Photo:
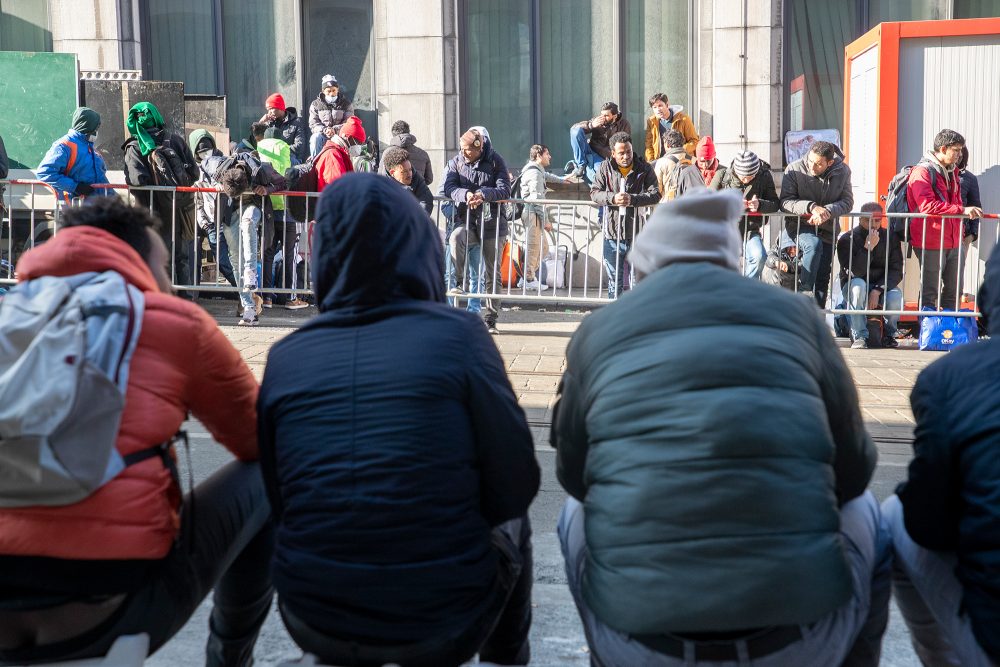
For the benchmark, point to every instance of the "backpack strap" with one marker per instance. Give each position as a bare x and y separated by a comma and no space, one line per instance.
71,162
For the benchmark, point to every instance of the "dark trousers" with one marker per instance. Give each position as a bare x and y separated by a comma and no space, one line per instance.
500,635
940,270
226,544
283,235
823,271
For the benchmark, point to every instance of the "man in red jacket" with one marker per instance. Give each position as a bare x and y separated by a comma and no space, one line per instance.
934,188
335,159
134,556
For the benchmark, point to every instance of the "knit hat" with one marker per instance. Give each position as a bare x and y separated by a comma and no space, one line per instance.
275,101
85,120
699,226
329,80
352,128
705,149
746,164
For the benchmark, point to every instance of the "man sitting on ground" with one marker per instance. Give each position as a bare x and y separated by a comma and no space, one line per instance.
756,547
413,548
945,518
132,557
871,266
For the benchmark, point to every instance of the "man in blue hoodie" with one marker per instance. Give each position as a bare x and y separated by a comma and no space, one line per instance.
72,165
399,473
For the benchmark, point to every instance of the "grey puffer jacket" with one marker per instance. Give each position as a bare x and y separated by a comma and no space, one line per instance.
419,158
800,191
323,115
707,509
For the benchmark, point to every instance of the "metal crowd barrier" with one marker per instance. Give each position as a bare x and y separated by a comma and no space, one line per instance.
573,257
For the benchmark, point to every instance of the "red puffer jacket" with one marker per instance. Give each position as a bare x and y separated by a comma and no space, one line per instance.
922,197
182,362
332,163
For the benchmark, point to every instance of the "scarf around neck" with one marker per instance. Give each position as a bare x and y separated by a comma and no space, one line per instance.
143,117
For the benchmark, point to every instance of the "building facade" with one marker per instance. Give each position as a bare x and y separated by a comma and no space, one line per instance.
746,71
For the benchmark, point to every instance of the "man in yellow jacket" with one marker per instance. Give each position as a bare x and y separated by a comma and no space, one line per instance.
666,117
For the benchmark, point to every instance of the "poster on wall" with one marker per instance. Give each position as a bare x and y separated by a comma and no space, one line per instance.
798,142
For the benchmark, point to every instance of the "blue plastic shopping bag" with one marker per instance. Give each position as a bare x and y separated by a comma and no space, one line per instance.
942,333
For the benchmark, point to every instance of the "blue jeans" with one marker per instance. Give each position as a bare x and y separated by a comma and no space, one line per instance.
850,634
316,143
858,300
475,282
754,255
241,236
929,596
220,251
614,266
811,253
583,154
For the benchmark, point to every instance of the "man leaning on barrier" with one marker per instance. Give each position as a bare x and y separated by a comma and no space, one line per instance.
871,269
934,187
945,518
72,166
727,402
133,557
624,183
817,189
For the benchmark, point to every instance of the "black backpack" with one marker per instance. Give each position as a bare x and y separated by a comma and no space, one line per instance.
896,202
168,168
513,210
303,178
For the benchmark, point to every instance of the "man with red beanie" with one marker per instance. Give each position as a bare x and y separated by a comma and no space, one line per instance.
335,159
286,120
708,163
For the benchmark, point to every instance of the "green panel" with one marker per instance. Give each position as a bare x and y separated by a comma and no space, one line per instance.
38,94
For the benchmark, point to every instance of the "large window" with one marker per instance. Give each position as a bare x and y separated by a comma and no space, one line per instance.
976,9
183,44
24,26
532,68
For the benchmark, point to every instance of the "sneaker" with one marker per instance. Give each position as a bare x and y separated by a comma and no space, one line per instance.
859,344
889,341
249,318
570,168
296,304
258,304
456,291
267,303
492,328
532,285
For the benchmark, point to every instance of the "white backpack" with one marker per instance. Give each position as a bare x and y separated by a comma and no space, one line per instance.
65,348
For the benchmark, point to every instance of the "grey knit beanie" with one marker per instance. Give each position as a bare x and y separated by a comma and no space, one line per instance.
699,226
746,164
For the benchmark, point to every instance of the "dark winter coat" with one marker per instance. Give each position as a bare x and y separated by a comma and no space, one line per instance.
417,187
970,197
292,133
773,275
139,172
599,137
640,183
800,191
323,115
388,457
703,516
487,175
870,266
950,500
261,173
419,158
762,186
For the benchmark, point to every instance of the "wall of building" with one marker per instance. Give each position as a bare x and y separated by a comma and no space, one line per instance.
416,74
92,30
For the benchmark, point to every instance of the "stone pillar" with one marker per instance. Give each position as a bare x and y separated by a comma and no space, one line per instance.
96,32
742,107
416,74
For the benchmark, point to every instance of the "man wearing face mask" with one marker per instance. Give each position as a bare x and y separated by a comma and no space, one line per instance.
327,113
286,120
72,166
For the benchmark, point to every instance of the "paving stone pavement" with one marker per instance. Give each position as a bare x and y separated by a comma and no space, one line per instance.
533,345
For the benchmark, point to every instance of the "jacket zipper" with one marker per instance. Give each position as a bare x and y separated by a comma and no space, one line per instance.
128,333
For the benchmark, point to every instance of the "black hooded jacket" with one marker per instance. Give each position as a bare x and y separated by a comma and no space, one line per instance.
388,457
417,187
293,133
950,498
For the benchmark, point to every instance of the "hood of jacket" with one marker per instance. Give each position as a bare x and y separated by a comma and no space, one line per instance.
802,166
197,136
374,246
406,140
81,249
